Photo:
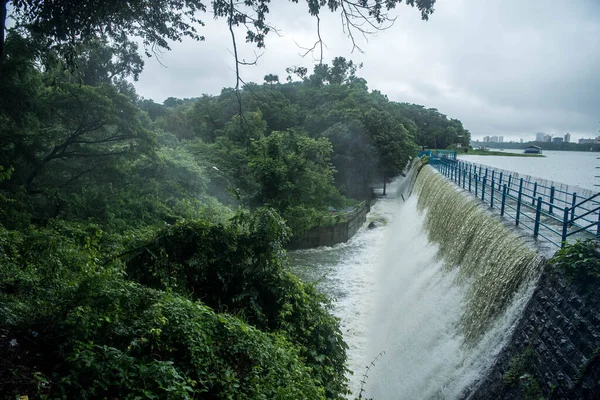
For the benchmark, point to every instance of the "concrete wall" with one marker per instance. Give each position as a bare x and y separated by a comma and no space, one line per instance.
330,235
554,352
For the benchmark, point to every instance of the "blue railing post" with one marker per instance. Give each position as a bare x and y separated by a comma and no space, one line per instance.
538,212
534,193
470,172
563,240
486,172
508,187
573,202
519,202
476,179
464,177
503,200
492,194
551,206
598,227
483,188
500,183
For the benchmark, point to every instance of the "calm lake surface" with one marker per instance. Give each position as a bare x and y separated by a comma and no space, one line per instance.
574,168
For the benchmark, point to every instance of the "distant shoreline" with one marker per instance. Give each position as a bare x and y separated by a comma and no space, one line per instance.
499,153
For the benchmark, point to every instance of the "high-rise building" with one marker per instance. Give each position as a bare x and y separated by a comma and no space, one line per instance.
557,139
540,136
547,138
567,137
494,139
500,139
486,139
521,140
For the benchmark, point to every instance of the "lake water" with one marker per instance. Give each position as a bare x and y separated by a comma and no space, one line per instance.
574,168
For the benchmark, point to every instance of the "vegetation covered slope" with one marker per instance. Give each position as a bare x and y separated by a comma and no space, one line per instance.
141,244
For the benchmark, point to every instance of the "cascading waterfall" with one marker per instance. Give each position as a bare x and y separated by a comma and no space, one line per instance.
450,284
485,251
436,287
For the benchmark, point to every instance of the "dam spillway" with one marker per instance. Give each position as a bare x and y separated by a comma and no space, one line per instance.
435,290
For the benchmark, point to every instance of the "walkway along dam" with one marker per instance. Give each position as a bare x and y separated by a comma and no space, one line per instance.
446,301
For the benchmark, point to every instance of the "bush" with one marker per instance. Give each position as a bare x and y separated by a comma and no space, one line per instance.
580,262
237,268
86,332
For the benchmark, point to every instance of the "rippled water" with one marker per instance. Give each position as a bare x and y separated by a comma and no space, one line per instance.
577,168
394,294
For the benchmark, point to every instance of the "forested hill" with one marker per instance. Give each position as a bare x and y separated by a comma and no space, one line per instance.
141,244
280,152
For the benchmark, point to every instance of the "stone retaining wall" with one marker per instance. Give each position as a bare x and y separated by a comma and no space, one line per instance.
330,235
554,350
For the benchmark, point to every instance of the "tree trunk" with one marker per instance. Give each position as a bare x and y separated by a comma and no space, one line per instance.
3,12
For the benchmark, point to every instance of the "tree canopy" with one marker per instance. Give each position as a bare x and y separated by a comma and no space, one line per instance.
64,24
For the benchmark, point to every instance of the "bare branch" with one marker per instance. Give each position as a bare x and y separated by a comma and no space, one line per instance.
319,43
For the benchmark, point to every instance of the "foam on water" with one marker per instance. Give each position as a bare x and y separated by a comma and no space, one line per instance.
400,290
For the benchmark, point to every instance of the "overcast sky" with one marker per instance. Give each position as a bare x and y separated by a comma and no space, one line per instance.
503,67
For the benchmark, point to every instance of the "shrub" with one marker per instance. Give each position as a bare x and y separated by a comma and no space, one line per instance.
237,268
86,332
580,262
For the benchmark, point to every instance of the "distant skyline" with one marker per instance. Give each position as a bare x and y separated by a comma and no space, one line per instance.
503,67
532,137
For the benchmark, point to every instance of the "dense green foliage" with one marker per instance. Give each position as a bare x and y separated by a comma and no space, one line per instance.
238,269
580,262
142,244
91,333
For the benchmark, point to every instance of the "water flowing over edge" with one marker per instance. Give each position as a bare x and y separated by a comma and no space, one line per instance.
427,300
484,251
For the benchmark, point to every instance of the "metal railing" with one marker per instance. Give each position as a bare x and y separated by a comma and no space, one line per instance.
549,212
445,154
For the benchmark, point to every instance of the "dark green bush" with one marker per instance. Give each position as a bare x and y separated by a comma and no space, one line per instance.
580,262
126,341
93,334
238,269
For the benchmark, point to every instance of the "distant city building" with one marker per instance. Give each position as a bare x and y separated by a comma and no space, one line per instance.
540,137
547,138
486,139
557,140
494,139
587,141
521,140
567,137
500,139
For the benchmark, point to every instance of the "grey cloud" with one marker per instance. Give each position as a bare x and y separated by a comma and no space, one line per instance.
504,67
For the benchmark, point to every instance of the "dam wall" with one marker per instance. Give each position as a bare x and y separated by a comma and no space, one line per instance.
553,346
334,234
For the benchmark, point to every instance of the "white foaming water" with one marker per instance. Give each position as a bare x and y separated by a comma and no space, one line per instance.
395,295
